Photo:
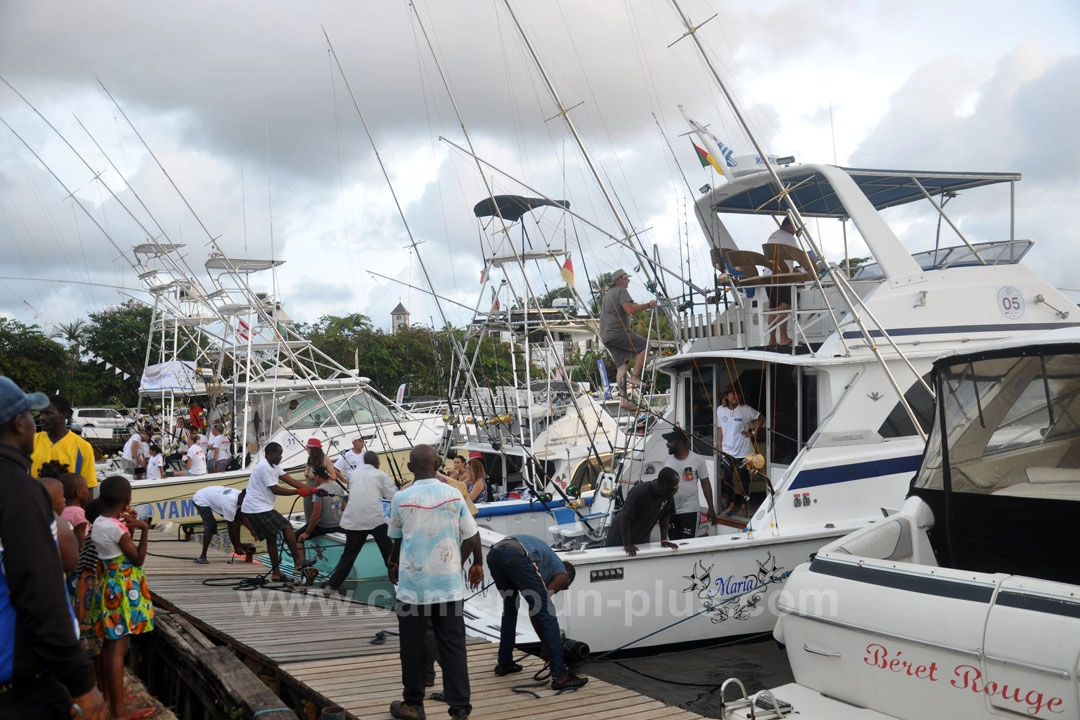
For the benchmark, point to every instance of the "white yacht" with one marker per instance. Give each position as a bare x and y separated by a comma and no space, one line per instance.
965,604
846,406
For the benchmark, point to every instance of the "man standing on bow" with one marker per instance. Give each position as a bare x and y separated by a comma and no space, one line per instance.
432,531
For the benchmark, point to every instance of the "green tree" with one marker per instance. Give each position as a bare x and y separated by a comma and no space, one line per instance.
73,333
33,361
118,335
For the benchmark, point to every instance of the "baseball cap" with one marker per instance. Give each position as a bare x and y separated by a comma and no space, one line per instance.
677,433
619,275
14,401
313,443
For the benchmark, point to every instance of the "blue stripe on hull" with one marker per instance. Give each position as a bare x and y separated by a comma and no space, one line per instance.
856,471
938,330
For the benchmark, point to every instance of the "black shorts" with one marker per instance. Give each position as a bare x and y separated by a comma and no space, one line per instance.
778,295
683,526
266,524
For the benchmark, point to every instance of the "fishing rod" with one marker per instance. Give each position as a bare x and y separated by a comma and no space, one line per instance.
640,255
843,285
505,233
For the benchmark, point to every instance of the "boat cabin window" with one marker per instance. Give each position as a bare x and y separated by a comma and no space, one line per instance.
356,409
1001,472
1012,426
898,423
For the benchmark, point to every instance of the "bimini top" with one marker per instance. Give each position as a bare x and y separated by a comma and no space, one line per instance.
814,195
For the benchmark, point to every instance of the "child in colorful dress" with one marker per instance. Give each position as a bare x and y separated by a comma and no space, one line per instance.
124,606
84,590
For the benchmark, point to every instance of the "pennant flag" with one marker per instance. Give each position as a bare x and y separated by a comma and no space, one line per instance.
400,398
714,149
567,271
242,330
483,274
494,302
706,158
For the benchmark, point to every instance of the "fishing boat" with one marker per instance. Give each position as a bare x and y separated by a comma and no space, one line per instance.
542,435
222,340
963,604
846,407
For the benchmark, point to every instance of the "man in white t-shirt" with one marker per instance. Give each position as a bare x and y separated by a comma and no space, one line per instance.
352,459
737,425
224,501
363,516
218,451
134,453
693,470
195,464
780,296
258,505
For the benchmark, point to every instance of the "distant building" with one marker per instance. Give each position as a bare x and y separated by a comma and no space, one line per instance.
399,318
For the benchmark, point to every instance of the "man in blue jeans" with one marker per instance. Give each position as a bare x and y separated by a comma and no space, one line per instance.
525,565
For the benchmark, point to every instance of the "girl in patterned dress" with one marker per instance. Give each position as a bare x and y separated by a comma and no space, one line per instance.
123,605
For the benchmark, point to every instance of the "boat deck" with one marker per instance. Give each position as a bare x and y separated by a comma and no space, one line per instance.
322,647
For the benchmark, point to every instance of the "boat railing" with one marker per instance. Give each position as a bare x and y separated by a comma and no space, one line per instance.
747,320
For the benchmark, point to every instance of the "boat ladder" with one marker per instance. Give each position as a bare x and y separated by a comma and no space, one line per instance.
762,705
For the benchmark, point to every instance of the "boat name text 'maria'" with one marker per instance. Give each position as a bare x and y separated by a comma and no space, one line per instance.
964,677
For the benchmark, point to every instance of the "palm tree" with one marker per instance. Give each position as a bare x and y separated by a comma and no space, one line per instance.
599,288
73,333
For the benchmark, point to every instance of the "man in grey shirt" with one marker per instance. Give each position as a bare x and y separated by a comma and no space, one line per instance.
615,322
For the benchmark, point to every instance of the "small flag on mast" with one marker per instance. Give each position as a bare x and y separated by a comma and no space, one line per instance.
567,271
706,158
494,301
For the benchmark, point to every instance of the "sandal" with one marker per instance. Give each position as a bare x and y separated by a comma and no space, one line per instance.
202,561
510,669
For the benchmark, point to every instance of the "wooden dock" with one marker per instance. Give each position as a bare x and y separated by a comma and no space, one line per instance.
316,651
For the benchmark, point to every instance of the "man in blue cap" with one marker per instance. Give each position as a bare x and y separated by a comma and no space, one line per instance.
43,669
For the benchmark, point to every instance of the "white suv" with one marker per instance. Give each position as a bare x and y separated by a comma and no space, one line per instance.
100,418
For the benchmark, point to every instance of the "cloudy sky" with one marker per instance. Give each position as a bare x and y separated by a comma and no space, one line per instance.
250,117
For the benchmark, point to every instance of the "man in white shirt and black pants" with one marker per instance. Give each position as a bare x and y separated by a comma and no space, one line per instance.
736,424
363,516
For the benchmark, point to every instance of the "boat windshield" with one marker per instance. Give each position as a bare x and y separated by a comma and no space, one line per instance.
307,410
1012,425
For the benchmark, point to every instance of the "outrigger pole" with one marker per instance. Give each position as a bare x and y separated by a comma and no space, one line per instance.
842,284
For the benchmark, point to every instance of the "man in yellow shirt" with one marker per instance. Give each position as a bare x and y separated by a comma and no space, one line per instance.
58,443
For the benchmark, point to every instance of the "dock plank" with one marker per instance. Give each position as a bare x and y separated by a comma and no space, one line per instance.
323,644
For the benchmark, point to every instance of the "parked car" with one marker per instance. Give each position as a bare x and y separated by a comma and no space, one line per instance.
99,423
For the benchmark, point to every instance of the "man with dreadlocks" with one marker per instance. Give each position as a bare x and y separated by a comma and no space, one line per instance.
736,424
623,344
